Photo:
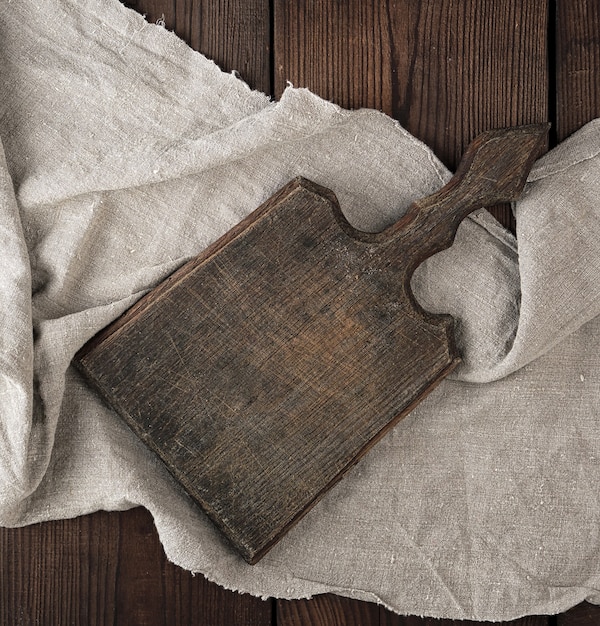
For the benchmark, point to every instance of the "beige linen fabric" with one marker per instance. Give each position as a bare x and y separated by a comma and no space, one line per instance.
125,153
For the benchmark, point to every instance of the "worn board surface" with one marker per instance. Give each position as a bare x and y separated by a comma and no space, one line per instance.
265,367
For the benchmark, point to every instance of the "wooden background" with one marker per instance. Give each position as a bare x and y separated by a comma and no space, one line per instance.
447,69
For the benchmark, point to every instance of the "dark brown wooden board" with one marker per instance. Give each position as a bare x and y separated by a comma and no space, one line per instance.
263,369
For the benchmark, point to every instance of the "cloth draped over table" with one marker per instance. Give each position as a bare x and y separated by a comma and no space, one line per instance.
125,153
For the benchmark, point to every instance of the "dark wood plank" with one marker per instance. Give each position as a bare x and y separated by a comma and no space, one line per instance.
327,610
584,614
331,610
62,572
577,64
139,594
109,569
196,601
446,70
389,619
234,33
150,591
339,50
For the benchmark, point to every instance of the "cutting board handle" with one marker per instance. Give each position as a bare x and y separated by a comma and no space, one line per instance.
493,170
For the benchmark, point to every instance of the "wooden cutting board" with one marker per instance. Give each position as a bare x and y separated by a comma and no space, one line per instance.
264,368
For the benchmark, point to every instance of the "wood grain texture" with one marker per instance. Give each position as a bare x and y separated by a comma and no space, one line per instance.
62,572
397,620
109,569
233,33
150,591
327,610
446,70
577,64
390,58
339,50
331,610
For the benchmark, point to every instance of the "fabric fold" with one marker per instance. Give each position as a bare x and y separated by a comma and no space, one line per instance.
549,284
18,432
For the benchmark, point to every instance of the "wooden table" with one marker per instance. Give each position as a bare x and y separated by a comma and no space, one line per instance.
446,69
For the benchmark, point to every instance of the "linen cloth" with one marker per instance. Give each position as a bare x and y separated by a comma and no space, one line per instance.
125,153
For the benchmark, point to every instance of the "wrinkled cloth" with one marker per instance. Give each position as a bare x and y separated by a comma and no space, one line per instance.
125,153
